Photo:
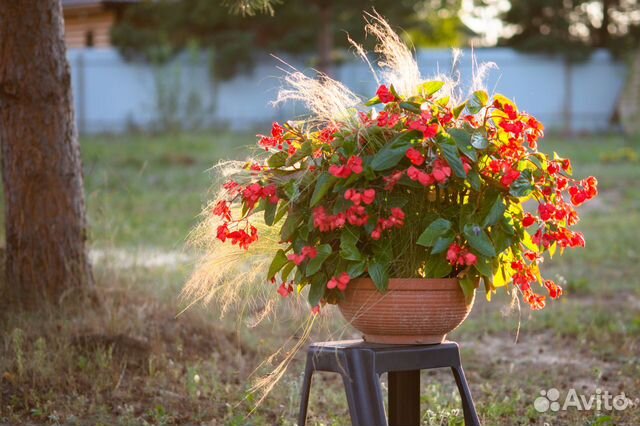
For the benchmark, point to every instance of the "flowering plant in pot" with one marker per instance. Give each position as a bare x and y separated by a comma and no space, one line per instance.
397,208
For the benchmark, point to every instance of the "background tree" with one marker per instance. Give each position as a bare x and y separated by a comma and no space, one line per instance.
158,30
572,28
41,168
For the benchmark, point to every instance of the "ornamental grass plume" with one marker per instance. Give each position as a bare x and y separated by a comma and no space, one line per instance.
417,182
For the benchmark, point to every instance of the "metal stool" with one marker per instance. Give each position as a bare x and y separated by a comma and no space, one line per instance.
360,364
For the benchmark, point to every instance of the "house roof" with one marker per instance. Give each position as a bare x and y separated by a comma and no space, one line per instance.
80,3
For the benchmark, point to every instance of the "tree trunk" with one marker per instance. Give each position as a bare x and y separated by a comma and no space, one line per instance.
325,36
45,223
603,32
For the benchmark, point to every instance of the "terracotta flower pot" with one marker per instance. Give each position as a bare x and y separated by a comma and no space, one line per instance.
412,311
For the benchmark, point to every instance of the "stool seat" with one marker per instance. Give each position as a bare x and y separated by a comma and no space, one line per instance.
361,363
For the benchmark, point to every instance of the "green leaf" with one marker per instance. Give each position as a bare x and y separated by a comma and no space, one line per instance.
323,185
484,266
391,154
283,207
501,239
495,212
479,141
442,244
373,101
270,212
287,270
457,110
278,159
467,214
468,285
290,225
535,161
348,241
507,225
302,152
444,101
315,264
437,267
478,101
452,156
382,252
356,269
411,106
435,230
279,260
474,180
394,92
523,186
317,288
430,87
379,275
291,189
479,240
463,140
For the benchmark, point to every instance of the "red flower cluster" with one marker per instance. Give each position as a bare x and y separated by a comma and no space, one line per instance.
422,124
367,196
240,236
554,289
222,209
524,274
232,188
416,158
285,289
396,220
528,220
339,282
535,132
276,139
457,255
391,181
418,175
326,222
440,173
365,119
357,216
388,119
385,95
583,191
505,170
535,301
563,236
255,192
354,165
308,252
523,278
328,134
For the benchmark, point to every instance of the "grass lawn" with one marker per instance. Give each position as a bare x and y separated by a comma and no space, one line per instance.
128,360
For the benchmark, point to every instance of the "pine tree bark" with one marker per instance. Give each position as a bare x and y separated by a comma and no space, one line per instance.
45,223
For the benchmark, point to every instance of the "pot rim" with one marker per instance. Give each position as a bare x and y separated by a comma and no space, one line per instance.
408,284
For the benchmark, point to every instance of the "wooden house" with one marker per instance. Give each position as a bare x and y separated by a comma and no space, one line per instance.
87,23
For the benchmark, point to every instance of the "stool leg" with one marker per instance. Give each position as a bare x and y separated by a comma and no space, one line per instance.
470,415
404,398
304,391
364,396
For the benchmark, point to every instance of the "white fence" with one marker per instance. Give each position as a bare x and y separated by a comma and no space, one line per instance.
114,96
